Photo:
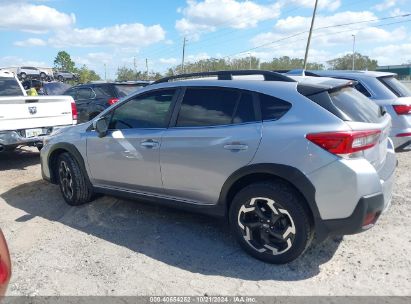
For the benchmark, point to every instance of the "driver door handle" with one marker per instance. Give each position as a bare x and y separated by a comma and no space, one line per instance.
150,144
236,146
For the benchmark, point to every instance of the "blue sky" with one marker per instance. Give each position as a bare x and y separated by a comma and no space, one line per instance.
113,33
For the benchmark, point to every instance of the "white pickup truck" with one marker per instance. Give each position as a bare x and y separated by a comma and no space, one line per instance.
24,120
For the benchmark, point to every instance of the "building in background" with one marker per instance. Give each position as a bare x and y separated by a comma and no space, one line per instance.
403,71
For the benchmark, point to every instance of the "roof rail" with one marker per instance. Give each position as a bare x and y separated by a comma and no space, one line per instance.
228,75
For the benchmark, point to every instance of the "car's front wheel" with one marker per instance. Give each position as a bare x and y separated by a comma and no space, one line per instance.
73,183
270,222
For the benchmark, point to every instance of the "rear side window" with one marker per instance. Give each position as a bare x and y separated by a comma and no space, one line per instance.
10,87
273,108
202,107
103,92
395,86
85,93
356,106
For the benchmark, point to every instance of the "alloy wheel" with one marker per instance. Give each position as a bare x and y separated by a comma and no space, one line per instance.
66,180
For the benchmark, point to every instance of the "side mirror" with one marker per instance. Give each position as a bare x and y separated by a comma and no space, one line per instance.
101,127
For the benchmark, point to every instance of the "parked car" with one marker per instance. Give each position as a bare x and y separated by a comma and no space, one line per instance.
28,72
93,98
5,265
25,120
65,75
282,157
386,91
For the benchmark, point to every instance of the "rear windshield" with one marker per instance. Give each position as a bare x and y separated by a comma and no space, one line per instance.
55,88
126,89
10,87
395,86
355,105
349,105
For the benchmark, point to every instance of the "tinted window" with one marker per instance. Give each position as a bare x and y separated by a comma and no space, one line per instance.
85,93
125,89
360,88
10,87
273,108
207,107
395,86
146,111
103,91
55,88
71,92
356,106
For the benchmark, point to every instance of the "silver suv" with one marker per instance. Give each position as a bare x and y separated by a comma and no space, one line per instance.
282,158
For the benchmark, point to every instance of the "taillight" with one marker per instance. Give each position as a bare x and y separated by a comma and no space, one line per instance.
112,101
74,113
345,142
402,109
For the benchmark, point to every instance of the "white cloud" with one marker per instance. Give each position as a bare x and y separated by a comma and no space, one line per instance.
330,5
385,5
170,61
208,15
392,54
30,42
325,37
14,61
136,34
27,17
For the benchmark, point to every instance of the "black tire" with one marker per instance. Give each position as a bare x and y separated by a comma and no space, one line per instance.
60,78
288,233
73,184
23,75
43,76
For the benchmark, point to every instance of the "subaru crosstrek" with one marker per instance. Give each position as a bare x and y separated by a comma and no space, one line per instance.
282,158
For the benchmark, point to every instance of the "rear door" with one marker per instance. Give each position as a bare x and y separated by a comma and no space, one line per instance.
215,132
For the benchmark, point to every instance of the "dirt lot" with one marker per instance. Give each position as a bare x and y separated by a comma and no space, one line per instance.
118,247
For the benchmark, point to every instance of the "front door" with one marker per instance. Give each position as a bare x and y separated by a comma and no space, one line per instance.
128,157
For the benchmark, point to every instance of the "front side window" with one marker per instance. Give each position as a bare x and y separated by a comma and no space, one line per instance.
149,110
202,107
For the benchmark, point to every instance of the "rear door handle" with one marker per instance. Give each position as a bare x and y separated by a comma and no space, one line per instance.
150,144
235,146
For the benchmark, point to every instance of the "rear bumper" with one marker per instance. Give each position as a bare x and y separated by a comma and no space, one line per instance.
17,138
369,207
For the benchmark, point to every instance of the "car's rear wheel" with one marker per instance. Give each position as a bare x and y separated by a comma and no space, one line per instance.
73,183
60,78
270,221
43,76
23,75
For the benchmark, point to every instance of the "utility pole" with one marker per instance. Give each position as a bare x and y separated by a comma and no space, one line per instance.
353,53
309,36
250,59
147,67
184,51
105,72
135,65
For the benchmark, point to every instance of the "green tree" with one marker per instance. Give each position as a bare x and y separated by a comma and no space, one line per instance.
63,62
87,75
287,63
362,62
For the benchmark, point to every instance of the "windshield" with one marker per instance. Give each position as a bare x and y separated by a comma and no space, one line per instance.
125,89
10,87
395,86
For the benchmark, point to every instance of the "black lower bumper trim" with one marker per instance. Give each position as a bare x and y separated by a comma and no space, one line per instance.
354,223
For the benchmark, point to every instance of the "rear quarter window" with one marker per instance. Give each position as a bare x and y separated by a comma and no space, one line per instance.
273,108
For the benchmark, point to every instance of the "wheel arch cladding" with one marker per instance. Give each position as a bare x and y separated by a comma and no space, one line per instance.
57,150
263,172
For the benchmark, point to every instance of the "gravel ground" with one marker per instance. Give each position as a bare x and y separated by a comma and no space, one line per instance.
119,247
